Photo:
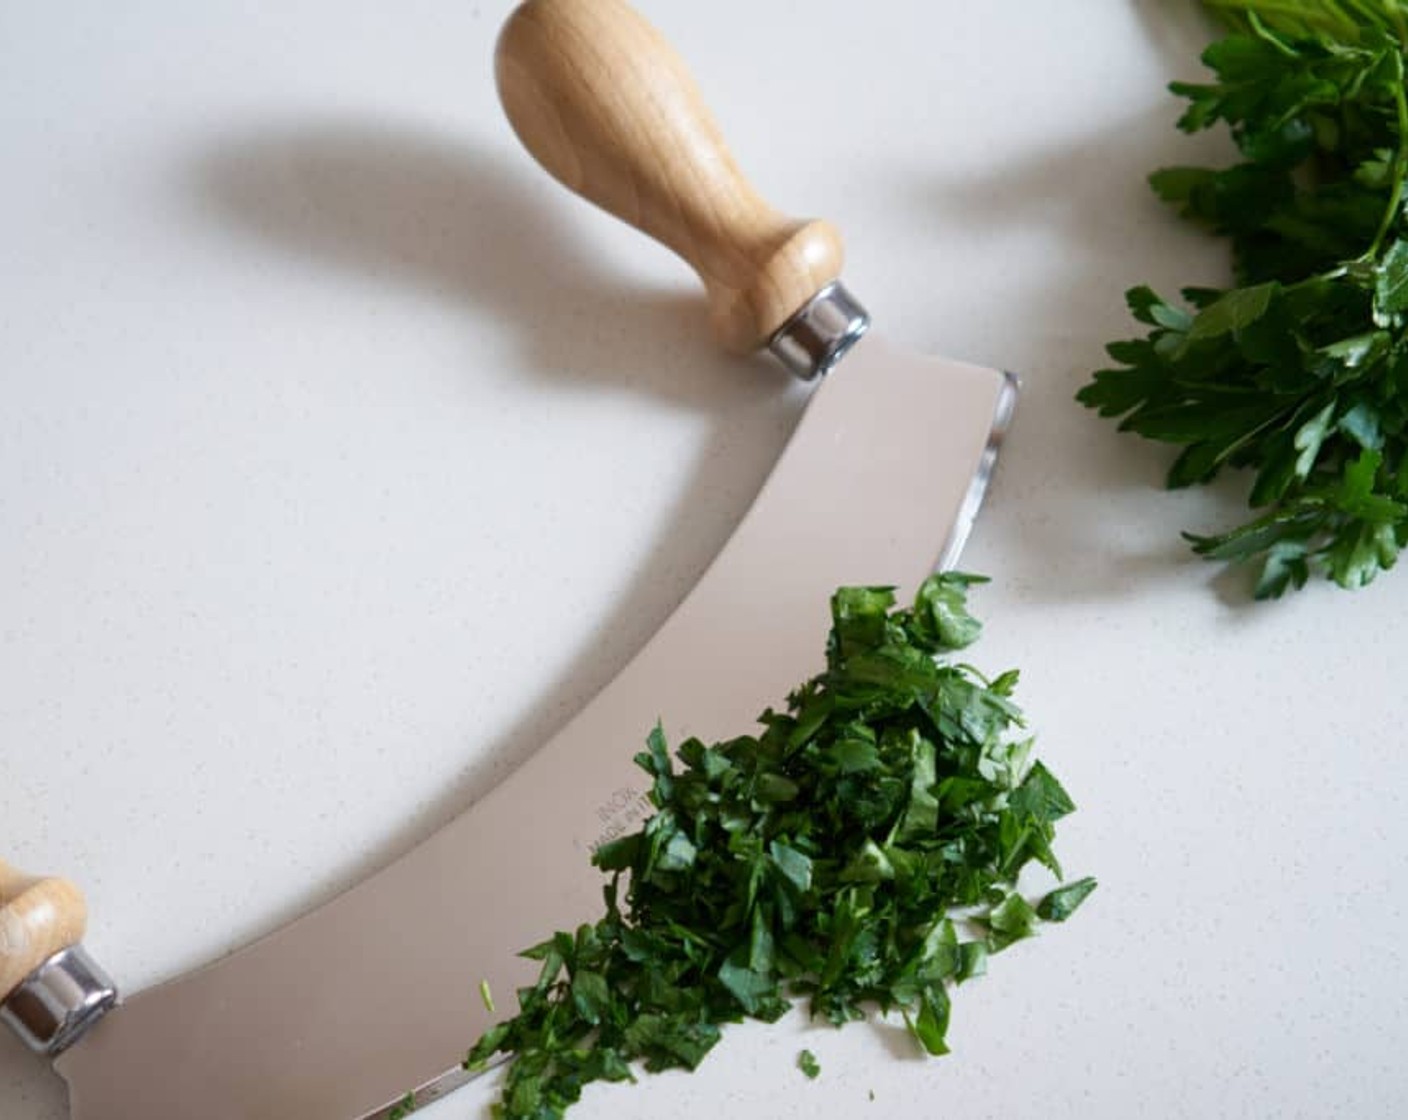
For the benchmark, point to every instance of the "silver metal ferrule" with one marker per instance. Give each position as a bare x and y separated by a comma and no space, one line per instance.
57,1003
818,336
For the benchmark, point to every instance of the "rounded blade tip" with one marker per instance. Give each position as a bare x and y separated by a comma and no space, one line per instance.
1003,410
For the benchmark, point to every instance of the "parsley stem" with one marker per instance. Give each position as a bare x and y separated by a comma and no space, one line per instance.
1400,164
1327,16
1387,12
1344,19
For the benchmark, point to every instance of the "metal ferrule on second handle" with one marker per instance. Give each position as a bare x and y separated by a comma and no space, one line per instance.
818,335
59,1001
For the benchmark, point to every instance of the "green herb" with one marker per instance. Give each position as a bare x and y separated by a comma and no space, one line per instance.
487,997
402,1108
1300,373
1061,903
807,1063
825,858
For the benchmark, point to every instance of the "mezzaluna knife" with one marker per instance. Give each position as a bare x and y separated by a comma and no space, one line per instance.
339,1014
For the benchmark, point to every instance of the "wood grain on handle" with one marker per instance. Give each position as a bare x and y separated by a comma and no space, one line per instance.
607,107
38,918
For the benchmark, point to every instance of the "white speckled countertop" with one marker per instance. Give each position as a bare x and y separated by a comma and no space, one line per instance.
343,456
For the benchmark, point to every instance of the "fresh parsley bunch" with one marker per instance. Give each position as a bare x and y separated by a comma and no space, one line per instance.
1300,373
863,849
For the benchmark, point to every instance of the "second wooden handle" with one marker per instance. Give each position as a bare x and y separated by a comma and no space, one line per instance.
607,107
38,918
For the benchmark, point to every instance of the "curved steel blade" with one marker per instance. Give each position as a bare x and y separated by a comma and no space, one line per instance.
340,1013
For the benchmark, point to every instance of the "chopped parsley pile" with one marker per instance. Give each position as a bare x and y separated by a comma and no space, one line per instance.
1299,373
861,851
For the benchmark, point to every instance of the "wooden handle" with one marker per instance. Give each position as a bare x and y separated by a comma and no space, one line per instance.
38,918
607,107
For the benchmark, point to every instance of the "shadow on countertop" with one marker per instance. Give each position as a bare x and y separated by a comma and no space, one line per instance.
411,208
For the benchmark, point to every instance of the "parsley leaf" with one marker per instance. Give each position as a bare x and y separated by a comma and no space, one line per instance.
1061,903
1299,374
831,857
